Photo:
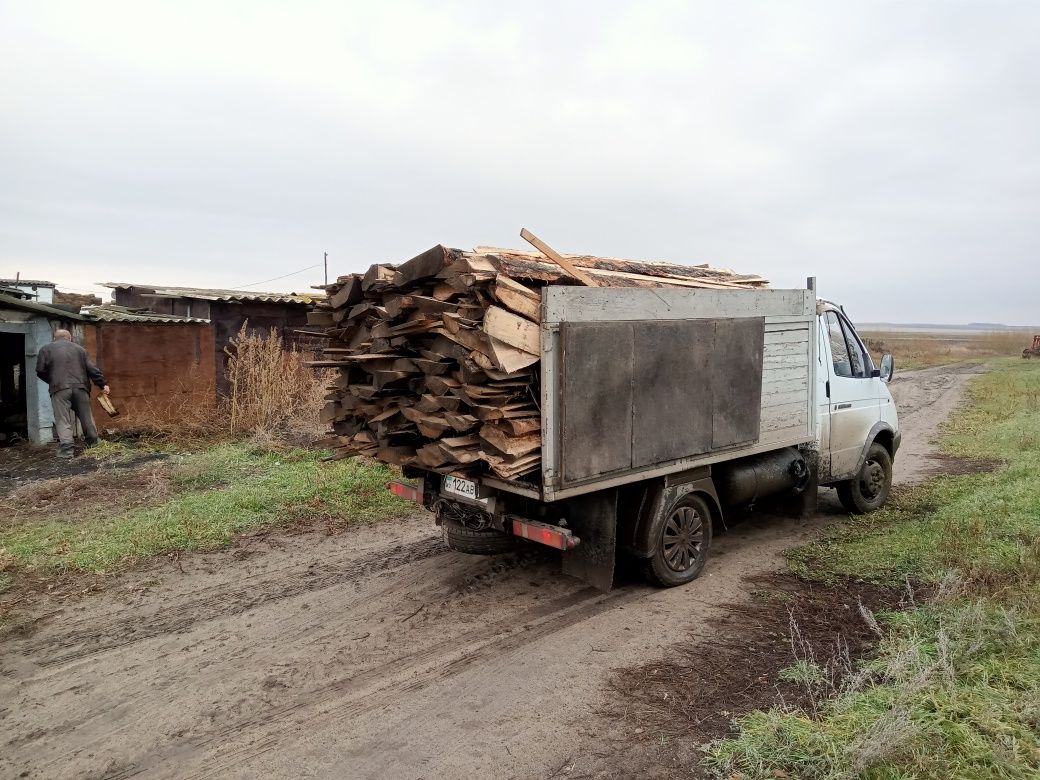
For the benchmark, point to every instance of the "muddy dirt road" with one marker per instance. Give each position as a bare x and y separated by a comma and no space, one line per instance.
375,653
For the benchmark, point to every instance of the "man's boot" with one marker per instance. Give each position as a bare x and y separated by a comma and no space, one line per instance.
65,451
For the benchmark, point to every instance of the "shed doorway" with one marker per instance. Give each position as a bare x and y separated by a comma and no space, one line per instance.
13,383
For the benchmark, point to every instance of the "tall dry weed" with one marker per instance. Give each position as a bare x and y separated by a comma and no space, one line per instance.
274,398
273,394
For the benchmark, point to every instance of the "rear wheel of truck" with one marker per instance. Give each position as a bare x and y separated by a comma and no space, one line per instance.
682,544
868,490
486,541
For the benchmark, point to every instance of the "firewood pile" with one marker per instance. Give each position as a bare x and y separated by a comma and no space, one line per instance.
438,357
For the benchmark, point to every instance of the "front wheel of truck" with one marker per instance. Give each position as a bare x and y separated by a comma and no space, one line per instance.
682,543
868,490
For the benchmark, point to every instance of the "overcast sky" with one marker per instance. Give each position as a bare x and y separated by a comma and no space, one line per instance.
892,149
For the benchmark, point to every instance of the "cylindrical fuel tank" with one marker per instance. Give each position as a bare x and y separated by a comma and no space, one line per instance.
744,480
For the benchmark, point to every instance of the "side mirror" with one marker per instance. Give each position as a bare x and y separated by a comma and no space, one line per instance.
888,367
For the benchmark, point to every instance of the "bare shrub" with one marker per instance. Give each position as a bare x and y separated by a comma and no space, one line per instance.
273,394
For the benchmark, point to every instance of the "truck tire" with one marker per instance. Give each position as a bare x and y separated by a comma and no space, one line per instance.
868,490
682,543
487,541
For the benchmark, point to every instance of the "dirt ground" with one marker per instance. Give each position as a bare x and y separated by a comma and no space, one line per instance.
376,652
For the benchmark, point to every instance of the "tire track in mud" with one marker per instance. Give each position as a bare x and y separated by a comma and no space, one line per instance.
269,587
445,600
376,687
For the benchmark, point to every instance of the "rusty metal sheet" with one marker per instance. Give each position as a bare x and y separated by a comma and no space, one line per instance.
736,381
595,399
672,393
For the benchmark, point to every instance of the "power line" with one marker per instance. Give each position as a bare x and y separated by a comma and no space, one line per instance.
265,281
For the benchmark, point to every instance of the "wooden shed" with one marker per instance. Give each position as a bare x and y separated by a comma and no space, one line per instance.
228,311
155,363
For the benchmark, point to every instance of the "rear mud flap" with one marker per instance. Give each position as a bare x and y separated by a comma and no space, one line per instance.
593,519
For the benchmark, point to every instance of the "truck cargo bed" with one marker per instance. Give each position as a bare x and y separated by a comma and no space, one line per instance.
638,383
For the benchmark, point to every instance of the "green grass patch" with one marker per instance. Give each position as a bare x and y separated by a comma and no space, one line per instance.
218,493
975,523
954,690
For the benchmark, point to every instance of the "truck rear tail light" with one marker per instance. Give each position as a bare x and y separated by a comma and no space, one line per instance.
543,533
406,491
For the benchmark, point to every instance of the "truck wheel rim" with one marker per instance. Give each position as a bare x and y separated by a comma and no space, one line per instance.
872,480
683,538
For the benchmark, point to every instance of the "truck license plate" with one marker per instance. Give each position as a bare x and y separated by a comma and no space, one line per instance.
460,487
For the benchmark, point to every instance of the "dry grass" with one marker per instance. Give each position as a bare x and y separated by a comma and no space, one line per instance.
85,496
272,392
274,399
186,418
920,350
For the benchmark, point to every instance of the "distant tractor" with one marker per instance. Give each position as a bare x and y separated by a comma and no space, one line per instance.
1033,351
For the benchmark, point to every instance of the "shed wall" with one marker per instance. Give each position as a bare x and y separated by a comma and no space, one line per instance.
154,369
228,319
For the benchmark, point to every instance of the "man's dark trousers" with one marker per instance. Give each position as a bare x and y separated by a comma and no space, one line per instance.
68,405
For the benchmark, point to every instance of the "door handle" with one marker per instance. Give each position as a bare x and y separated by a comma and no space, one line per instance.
842,406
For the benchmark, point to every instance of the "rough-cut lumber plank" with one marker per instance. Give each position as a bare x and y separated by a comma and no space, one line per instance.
557,258
459,442
320,318
378,277
510,445
509,359
431,455
444,292
488,412
520,299
400,456
468,338
348,294
513,330
461,422
524,258
432,306
429,263
523,425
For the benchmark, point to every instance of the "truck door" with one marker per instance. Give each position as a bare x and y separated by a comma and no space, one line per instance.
853,400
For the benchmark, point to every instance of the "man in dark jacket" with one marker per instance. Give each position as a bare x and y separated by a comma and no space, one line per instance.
68,370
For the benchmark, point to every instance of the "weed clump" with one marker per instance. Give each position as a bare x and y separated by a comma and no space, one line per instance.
953,690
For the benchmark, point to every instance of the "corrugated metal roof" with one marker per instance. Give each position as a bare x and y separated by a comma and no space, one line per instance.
27,282
52,312
104,313
14,291
109,312
210,294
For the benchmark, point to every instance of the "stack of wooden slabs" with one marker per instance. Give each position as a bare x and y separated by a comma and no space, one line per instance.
438,356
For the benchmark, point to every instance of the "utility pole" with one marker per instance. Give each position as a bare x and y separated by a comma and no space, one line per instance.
326,269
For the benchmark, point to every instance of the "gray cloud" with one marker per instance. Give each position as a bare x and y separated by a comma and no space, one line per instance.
888,148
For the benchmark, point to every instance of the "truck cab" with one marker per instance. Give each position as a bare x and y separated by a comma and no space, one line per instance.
858,426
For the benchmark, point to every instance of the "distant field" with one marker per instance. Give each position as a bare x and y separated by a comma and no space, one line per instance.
922,349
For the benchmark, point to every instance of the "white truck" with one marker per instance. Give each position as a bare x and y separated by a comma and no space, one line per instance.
664,408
